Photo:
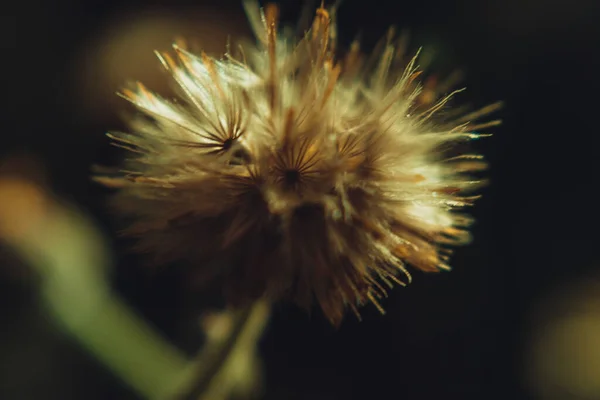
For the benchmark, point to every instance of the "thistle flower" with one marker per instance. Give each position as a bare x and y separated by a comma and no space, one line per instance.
307,177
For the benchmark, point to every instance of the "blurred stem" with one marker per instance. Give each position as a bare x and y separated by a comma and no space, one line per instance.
68,253
125,344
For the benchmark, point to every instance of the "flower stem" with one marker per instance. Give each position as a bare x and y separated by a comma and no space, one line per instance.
217,368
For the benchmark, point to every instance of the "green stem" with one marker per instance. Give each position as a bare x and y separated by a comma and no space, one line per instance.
71,258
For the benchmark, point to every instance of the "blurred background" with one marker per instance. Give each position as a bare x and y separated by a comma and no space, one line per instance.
519,316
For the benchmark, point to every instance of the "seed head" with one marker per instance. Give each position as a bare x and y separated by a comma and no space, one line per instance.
307,177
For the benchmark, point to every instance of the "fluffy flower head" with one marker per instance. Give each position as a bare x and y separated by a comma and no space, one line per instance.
305,176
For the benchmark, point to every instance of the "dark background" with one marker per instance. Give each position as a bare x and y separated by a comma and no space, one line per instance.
461,335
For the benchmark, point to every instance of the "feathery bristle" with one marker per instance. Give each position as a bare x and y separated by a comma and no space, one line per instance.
314,179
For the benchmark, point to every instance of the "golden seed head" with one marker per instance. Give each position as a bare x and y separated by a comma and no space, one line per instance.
309,178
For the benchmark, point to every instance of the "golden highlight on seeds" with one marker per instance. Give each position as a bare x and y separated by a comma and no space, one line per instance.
306,177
